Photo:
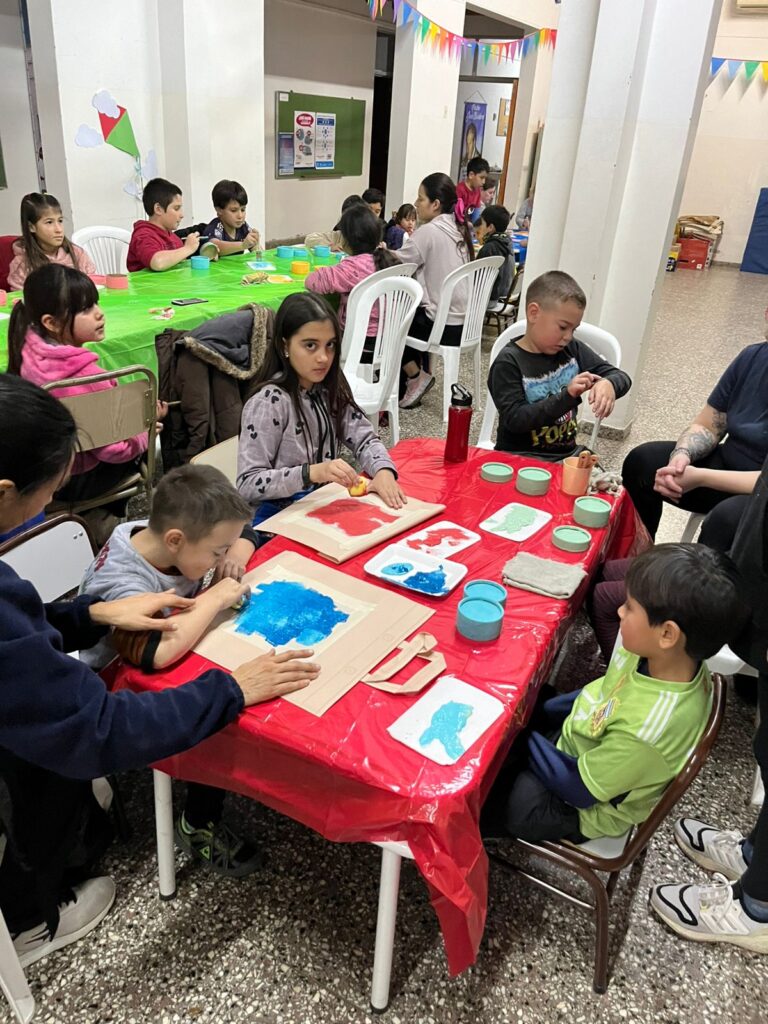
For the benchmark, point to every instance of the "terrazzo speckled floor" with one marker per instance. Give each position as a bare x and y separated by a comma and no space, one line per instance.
294,944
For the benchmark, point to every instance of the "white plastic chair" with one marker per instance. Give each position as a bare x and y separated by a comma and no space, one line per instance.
726,663
399,270
398,299
53,556
477,278
107,247
600,341
222,456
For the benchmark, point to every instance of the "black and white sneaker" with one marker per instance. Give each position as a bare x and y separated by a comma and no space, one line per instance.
709,913
711,848
79,913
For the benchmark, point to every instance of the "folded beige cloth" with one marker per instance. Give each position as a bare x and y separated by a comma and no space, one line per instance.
542,576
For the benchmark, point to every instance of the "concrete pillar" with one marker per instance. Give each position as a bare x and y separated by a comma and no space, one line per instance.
610,183
424,90
204,97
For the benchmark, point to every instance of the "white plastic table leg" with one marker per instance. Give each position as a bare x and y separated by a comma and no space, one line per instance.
12,978
389,887
166,862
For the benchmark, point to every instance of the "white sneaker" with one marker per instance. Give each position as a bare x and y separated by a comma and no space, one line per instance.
89,904
709,913
415,389
711,848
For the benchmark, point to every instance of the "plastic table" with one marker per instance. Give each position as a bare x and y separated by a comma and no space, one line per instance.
131,328
344,776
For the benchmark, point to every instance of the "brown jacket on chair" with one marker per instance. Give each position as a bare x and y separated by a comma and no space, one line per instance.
211,372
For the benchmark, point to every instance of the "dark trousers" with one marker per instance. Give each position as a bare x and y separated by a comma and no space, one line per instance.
519,803
604,601
639,472
755,880
55,833
203,804
421,328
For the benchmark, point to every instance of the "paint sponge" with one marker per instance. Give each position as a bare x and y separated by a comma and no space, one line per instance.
359,489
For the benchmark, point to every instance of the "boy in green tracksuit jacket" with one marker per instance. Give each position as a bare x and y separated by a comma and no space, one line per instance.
598,760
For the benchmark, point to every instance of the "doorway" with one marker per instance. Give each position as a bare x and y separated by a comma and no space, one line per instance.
382,111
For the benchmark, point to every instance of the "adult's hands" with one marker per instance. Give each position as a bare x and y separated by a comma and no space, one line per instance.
138,612
275,675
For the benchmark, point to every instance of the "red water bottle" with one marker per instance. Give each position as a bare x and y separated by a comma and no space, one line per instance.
459,417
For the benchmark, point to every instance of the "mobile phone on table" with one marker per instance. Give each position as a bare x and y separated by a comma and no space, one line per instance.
186,302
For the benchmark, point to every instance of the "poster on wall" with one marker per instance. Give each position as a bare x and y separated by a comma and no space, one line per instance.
325,142
472,134
502,124
284,154
303,139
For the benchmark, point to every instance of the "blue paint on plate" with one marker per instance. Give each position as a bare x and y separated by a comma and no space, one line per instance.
445,726
397,569
283,612
428,582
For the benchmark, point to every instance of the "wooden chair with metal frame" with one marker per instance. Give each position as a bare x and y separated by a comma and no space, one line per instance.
611,856
115,414
504,312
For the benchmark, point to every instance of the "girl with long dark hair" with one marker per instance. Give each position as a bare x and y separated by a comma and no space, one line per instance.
43,241
302,414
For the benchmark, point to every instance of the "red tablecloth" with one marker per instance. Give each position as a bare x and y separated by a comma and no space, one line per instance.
342,774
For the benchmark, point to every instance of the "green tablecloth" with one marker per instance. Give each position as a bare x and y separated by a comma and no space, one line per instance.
130,327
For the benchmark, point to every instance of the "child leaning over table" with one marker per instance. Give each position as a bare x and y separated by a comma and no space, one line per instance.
537,381
598,760
198,522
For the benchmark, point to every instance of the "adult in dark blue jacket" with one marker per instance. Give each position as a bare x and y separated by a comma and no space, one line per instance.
59,724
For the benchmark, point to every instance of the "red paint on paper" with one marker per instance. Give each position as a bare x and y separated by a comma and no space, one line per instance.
448,534
352,516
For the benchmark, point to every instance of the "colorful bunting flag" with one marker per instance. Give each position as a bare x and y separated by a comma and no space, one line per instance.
733,66
442,40
750,67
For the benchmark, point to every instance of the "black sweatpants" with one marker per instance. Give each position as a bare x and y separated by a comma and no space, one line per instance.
755,880
639,473
421,328
55,832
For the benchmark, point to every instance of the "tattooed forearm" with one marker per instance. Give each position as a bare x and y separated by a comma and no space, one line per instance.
697,443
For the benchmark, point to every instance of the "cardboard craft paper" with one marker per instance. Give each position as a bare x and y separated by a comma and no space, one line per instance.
350,624
339,527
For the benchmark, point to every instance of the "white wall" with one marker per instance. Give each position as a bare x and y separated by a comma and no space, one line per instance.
424,91
202,117
730,156
489,93
328,53
122,56
529,14
15,123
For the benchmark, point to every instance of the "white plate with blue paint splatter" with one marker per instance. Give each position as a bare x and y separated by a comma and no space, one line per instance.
444,723
416,571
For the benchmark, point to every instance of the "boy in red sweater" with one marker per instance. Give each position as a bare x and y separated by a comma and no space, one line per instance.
469,191
154,243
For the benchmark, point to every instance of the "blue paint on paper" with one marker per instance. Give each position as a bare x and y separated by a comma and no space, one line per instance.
284,612
428,582
446,725
397,569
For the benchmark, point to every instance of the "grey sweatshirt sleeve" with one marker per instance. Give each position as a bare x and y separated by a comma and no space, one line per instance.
589,360
260,477
364,443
